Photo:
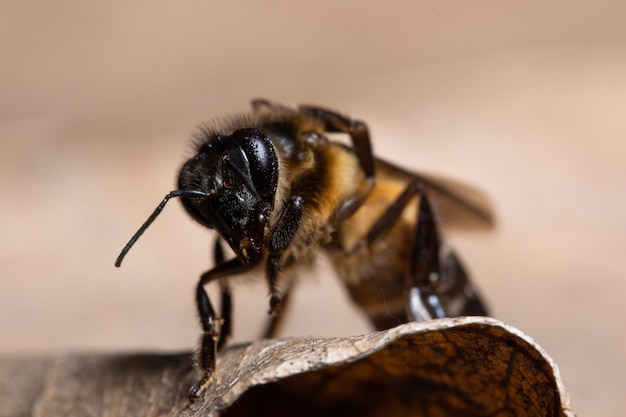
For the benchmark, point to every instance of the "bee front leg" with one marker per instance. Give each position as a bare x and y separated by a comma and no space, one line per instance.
282,236
211,323
208,345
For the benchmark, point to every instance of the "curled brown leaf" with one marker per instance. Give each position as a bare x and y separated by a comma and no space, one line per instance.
463,366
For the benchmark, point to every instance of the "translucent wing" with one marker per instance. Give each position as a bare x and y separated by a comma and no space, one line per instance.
458,206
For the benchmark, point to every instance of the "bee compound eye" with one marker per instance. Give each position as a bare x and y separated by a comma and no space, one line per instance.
262,160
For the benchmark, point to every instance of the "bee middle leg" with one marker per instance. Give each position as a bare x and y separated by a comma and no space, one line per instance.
276,320
226,304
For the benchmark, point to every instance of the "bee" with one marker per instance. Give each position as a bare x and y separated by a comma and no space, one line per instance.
278,191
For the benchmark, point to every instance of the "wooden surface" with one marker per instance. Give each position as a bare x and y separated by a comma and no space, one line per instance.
525,101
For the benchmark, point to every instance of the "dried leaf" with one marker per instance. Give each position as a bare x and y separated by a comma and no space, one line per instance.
449,367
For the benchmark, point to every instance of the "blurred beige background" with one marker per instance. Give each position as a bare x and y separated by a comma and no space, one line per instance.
97,101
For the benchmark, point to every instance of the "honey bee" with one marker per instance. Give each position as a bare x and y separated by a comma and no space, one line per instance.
278,191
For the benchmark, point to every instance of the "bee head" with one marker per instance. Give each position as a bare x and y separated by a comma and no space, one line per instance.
235,178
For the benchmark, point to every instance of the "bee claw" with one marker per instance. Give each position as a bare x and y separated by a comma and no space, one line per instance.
275,302
197,389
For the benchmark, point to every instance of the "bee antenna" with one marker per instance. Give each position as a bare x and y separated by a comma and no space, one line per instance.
153,216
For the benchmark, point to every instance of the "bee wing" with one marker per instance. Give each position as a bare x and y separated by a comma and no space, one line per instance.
457,205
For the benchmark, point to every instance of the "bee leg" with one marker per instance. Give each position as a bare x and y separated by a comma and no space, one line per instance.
359,134
282,235
424,272
258,104
275,321
226,319
422,301
338,123
211,323
461,298
360,137
226,305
